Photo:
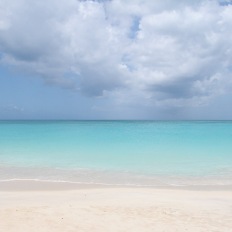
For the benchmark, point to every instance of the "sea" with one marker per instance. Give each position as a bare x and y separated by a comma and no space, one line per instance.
124,153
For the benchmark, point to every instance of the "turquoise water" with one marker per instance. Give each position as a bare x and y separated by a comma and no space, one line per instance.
167,149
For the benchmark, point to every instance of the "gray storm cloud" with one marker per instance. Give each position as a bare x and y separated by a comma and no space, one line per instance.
147,52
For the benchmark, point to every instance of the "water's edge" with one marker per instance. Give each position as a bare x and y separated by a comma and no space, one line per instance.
111,178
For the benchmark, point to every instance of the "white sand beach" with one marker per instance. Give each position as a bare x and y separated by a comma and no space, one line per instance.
56,208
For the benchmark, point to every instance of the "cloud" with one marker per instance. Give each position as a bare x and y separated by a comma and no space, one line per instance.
11,108
154,53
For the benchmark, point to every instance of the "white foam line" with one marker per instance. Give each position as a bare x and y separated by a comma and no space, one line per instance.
85,183
108,184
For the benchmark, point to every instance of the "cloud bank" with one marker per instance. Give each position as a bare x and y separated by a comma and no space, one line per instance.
169,53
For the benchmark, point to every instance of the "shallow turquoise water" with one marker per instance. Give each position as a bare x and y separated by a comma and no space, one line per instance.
168,148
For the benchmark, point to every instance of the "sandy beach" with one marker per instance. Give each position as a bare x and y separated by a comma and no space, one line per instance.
56,207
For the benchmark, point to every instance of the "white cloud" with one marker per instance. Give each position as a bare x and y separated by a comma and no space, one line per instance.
136,52
11,108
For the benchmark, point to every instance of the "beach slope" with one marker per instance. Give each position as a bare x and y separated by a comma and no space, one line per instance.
115,209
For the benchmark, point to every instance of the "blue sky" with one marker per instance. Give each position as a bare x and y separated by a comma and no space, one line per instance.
115,59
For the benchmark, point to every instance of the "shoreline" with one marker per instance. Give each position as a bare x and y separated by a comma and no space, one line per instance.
50,185
20,178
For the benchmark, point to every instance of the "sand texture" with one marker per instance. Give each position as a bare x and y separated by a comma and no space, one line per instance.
116,209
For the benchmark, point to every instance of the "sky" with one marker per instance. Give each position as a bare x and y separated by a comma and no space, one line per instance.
116,59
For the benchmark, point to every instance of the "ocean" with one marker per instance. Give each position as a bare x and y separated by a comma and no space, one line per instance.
140,153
